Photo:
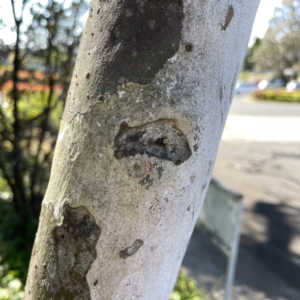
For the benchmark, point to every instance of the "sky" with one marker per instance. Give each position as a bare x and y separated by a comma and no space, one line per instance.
264,14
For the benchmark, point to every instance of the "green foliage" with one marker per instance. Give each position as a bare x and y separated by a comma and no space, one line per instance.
38,122
11,287
17,234
31,106
186,289
15,250
248,64
34,87
277,95
16,240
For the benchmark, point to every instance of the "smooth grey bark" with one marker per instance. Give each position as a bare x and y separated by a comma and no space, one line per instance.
149,97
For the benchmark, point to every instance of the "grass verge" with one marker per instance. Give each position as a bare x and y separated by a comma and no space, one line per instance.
277,95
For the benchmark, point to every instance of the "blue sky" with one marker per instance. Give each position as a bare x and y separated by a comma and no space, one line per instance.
264,14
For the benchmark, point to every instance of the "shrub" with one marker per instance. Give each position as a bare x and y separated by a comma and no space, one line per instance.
277,95
186,289
11,287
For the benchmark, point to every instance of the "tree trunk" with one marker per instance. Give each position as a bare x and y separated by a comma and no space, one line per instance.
149,97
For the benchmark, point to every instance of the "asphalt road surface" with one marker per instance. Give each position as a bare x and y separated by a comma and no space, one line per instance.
259,156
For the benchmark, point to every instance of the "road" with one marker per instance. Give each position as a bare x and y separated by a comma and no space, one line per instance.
259,156
245,106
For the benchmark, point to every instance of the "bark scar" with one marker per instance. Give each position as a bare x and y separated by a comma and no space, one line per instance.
161,139
132,249
229,17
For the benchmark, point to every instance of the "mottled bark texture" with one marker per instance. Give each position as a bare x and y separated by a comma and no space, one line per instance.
134,40
150,93
67,254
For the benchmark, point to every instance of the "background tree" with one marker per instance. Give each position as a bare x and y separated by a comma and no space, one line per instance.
248,61
280,48
148,100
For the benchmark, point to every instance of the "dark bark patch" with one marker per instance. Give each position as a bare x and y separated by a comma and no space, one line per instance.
138,168
74,243
229,17
161,139
188,47
129,251
134,39
221,93
159,170
147,181
196,147
145,35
